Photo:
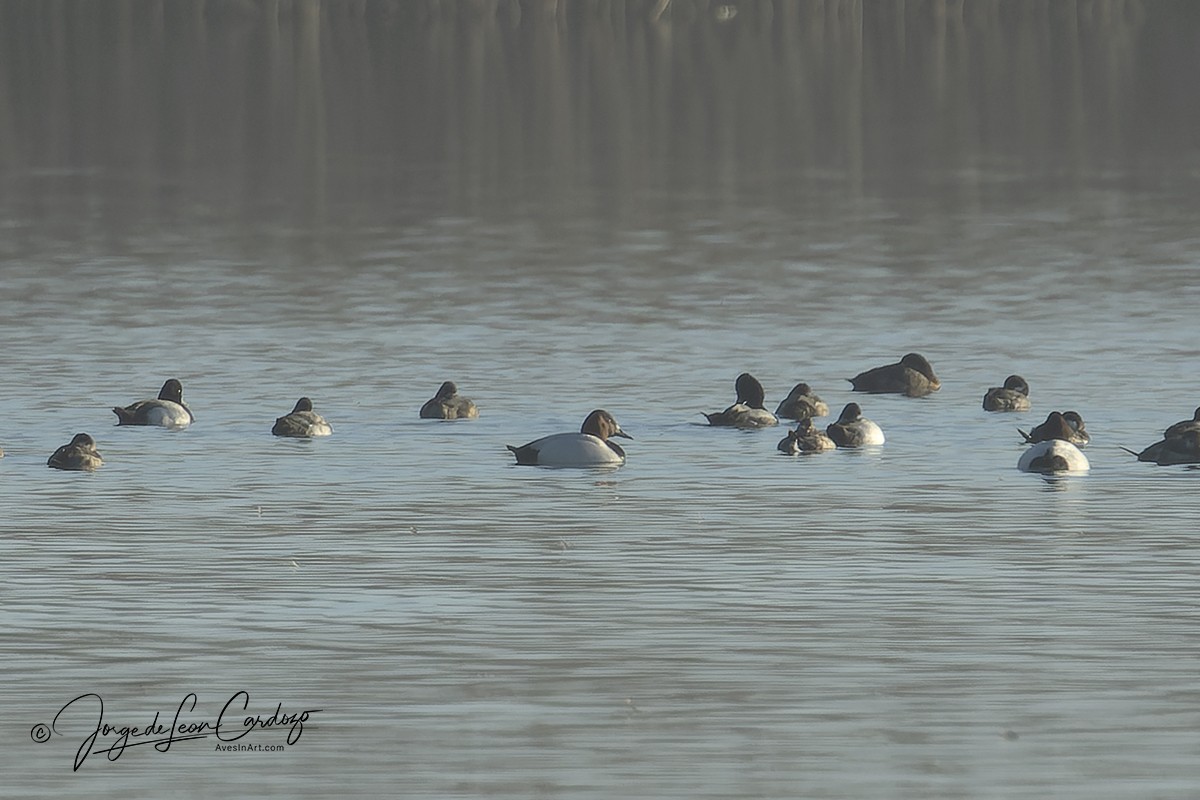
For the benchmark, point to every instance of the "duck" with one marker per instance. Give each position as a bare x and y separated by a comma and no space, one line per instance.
79,454
302,422
1012,396
1066,426
748,411
911,376
805,439
588,448
1170,447
1182,449
852,429
1179,428
801,403
167,411
1053,455
446,404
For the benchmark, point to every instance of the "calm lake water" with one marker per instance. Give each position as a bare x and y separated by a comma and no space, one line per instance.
355,202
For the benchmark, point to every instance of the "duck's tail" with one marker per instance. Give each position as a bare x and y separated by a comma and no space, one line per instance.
1133,453
124,416
525,455
1025,435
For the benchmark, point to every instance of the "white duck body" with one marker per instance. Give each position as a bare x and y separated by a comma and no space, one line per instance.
588,448
1053,455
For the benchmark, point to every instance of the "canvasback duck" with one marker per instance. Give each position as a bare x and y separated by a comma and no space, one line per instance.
852,429
1053,455
748,411
79,454
1067,427
167,411
302,422
588,448
1012,396
805,439
447,404
801,403
912,376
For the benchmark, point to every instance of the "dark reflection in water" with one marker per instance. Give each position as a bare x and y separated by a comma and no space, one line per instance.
320,115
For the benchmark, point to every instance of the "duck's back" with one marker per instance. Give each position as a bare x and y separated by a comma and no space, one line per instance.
162,413
302,424
1001,399
855,434
569,450
1072,457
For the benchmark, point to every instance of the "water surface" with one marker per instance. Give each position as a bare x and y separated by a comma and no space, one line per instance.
588,211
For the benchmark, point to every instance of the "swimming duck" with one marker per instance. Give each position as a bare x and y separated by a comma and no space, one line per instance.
1053,455
853,429
1180,428
446,404
302,422
748,411
1169,447
80,454
1182,449
1012,396
1067,427
801,403
588,448
912,376
168,410
805,439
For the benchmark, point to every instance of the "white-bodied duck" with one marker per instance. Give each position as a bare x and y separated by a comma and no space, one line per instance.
591,447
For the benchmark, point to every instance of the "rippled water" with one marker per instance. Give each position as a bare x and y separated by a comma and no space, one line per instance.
712,619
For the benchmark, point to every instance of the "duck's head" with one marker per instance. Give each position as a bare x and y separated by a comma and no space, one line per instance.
1017,384
799,390
749,390
1074,420
83,440
303,404
171,390
446,391
851,413
916,361
602,425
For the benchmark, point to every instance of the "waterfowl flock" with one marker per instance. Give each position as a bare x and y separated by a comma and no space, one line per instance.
1054,444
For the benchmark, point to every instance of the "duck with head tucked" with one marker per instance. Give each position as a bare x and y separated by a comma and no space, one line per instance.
1012,396
1053,455
79,454
447,404
302,422
591,447
807,438
911,376
1180,428
748,410
801,403
167,410
1181,449
1173,445
852,429
1067,426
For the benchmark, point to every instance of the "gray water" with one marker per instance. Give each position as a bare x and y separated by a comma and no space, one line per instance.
355,202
